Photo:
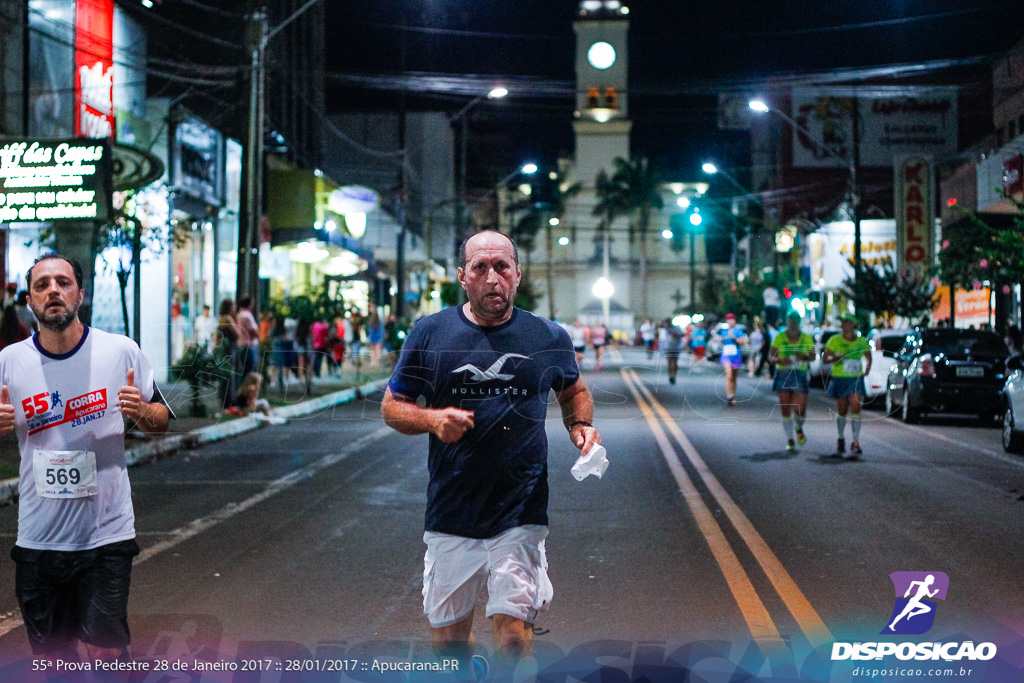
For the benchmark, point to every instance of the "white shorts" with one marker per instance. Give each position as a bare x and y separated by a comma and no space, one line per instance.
513,564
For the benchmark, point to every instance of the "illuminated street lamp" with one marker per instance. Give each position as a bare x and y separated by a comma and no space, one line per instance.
603,290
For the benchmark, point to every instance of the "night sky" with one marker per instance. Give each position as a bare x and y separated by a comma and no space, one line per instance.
681,54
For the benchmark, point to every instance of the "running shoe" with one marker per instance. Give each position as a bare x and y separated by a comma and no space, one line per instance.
855,450
481,667
730,401
801,438
841,447
790,446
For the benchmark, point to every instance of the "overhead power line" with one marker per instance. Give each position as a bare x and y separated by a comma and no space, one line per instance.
536,87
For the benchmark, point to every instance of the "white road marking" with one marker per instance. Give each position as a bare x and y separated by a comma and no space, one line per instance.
198,526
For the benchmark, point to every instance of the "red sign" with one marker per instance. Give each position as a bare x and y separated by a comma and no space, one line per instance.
1013,175
94,73
914,220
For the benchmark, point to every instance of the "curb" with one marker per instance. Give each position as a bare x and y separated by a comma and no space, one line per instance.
151,451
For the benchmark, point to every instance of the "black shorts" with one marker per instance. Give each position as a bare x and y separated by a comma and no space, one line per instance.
77,594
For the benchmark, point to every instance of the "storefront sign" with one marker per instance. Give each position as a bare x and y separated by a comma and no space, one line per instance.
830,250
925,123
353,199
134,168
197,165
973,306
94,73
46,180
914,215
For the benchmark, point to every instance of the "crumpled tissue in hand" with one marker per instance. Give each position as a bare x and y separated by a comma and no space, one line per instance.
594,461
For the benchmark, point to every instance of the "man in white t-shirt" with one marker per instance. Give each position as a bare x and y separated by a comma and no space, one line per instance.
206,325
66,393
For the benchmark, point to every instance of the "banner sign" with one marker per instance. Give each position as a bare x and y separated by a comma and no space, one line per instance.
48,180
891,127
94,72
196,166
914,215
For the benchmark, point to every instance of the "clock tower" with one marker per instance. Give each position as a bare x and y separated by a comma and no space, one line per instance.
602,122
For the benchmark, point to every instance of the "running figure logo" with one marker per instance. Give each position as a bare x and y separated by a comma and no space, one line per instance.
478,375
916,592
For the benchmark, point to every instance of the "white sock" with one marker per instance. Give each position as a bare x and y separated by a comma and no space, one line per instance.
841,425
787,425
855,426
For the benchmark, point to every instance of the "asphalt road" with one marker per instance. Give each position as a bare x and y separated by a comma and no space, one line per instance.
704,544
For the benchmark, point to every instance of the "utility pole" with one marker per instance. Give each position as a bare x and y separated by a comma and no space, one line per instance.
247,280
855,189
403,187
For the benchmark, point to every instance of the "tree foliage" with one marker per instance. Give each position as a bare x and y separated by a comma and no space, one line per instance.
881,290
633,189
970,256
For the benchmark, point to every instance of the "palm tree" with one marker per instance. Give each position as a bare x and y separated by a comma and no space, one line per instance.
549,202
634,187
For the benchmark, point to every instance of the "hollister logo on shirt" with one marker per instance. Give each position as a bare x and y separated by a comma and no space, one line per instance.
491,373
41,409
475,375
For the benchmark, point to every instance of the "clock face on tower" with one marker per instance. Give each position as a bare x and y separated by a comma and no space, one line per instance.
601,55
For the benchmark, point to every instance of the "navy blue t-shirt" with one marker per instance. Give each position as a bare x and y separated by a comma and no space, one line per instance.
495,477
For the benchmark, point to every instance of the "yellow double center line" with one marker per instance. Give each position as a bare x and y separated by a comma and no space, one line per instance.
760,623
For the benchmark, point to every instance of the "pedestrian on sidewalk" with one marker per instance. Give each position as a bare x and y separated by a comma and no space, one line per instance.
226,352
248,336
375,337
68,394
205,326
318,333
12,330
24,311
485,369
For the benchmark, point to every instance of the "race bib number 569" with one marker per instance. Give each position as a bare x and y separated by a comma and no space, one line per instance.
65,474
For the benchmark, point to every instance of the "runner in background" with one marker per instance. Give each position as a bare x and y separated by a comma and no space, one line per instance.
846,384
699,341
790,352
733,341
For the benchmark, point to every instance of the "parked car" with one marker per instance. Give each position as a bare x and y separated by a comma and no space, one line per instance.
884,346
1013,405
818,372
948,370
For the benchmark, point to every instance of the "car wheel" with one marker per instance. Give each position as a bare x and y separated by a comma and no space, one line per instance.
1013,441
890,404
909,413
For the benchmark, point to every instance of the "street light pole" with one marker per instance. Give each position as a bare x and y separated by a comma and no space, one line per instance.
461,117
256,39
852,164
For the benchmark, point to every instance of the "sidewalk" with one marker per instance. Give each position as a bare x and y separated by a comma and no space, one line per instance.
187,431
